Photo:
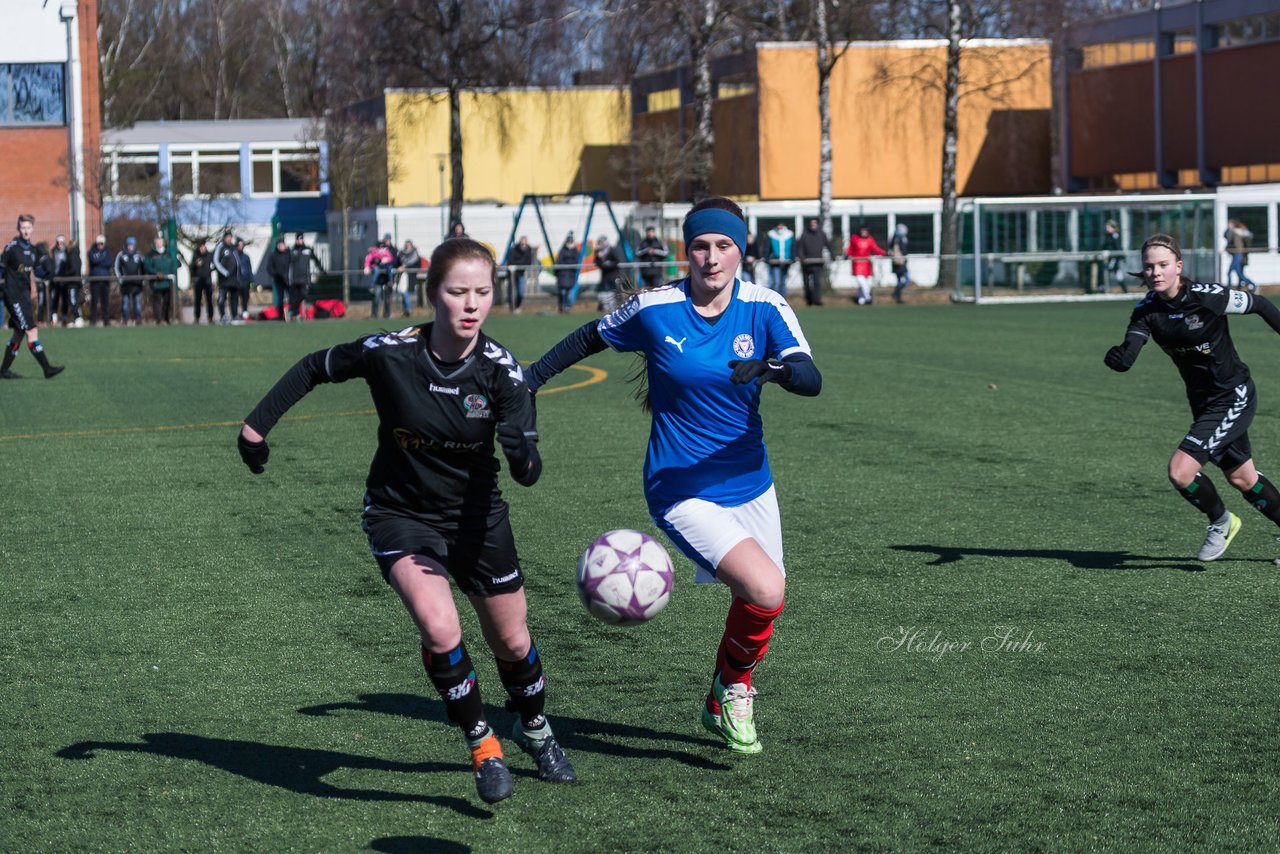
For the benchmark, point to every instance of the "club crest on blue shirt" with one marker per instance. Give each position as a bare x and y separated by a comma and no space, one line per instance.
476,406
744,346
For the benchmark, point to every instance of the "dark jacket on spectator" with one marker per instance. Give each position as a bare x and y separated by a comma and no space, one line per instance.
161,264
128,267
201,266
809,247
100,260
278,267
300,260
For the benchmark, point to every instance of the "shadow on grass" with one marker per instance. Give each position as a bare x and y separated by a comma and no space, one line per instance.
576,734
417,844
1078,559
297,769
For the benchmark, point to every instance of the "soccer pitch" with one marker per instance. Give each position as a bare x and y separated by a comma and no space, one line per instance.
995,638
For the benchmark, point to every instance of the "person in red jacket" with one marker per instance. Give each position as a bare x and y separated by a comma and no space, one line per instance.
861,247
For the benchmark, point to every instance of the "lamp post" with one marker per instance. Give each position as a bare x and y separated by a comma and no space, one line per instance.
440,157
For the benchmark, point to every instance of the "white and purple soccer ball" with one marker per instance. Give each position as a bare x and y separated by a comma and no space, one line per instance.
625,577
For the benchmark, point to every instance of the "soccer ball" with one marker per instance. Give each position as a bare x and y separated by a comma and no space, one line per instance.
625,577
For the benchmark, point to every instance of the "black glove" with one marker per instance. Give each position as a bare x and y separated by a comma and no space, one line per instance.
761,371
254,454
1117,359
515,445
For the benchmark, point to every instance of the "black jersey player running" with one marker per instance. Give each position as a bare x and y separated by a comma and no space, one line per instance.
19,261
433,509
1189,322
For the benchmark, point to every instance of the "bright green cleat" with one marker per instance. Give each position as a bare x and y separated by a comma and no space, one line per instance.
734,724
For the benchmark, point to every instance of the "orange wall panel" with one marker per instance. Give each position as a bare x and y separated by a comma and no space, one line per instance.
886,121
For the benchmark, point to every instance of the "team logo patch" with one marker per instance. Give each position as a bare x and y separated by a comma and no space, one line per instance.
1194,322
744,346
477,406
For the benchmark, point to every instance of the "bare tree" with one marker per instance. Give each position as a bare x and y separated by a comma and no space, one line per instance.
444,44
660,162
128,52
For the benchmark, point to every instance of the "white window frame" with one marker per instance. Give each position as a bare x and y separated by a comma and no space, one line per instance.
277,154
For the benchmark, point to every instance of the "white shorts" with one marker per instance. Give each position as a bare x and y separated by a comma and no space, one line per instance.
706,532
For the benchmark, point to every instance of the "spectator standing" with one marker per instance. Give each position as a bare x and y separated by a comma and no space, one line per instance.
129,272
65,266
227,266
1114,249
812,251
43,273
410,261
278,273
567,260
244,276
457,231
861,247
898,246
608,259
301,259
163,266
653,254
1239,238
520,263
378,266
751,255
780,253
201,267
101,265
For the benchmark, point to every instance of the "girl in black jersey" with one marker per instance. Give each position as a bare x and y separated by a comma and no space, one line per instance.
1189,322
432,510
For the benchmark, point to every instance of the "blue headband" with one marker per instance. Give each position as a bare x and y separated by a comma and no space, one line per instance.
715,221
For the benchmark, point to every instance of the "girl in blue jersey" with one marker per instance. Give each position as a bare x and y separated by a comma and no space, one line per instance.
711,342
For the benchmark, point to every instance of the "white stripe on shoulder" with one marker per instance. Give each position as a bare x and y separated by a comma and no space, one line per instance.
390,339
663,295
497,353
750,292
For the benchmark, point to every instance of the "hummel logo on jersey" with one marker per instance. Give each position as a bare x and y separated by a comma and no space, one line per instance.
679,344
1207,289
443,389
502,357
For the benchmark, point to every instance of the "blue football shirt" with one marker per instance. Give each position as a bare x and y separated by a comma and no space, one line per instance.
706,440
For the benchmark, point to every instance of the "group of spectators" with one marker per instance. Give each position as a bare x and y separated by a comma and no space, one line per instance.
68,295
813,250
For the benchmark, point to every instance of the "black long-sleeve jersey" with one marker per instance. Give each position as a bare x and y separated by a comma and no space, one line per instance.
1192,329
435,458
19,259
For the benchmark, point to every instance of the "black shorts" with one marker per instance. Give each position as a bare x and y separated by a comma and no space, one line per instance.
1220,433
479,555
17,307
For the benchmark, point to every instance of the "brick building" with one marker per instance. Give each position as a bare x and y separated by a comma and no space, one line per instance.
49,117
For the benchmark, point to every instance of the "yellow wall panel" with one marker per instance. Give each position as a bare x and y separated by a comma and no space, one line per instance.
514,142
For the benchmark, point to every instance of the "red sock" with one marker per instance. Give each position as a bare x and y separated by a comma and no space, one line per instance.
746,639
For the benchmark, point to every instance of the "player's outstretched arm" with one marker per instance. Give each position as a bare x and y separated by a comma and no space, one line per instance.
1121,357
1265,309
573,348
292,387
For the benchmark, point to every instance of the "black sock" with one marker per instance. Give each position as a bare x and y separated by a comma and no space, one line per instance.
1264,496
9,353
528,689
1204,496
454,678
37,350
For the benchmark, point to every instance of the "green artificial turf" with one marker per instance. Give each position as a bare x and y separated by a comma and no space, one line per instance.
193,658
